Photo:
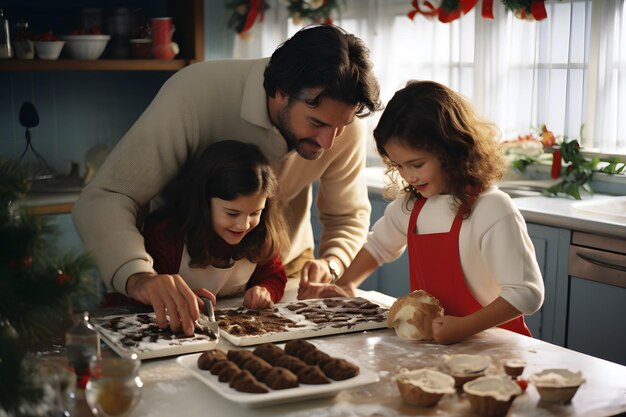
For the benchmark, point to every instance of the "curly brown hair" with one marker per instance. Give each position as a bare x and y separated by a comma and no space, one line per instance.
430,116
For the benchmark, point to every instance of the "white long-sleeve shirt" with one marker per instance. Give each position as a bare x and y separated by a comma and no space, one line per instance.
497,255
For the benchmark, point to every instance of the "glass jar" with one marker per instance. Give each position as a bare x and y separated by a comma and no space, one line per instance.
83,342
5,37
114,387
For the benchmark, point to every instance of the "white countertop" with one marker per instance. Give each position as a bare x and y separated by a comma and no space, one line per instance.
561,212
549,211
171,390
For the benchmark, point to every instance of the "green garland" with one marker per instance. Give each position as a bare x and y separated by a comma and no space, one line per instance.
573,178
309,11
313,11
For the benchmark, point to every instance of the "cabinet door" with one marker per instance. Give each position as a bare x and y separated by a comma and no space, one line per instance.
551,249
595,322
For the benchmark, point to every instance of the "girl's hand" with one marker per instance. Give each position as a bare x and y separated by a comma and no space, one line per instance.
451,329
257,297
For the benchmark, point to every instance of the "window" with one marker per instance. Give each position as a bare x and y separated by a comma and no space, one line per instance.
566,71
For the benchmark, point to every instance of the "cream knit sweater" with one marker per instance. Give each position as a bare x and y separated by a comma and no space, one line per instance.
201,104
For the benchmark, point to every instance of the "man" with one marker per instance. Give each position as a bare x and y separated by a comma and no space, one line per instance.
313,90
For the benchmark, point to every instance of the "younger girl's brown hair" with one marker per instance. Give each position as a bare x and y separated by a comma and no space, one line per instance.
226,170
430,116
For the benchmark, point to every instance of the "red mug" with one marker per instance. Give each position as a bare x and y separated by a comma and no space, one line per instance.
162,30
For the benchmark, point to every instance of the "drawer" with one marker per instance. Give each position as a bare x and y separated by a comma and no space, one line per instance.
597,265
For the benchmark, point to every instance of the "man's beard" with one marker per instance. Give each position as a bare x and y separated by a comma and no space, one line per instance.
283,124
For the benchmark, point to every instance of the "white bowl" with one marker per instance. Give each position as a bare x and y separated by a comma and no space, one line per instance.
49,50
85,46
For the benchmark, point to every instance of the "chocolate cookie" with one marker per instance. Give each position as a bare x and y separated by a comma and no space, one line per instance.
208,358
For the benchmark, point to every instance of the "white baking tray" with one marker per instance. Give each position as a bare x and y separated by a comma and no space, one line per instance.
307,328
273,397
146,349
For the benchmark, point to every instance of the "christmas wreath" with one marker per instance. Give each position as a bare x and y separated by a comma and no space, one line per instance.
448,10
245,13
312,11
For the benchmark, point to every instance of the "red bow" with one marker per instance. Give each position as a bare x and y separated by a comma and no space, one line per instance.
255,10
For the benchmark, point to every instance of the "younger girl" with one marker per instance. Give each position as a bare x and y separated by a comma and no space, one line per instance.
221,227
468,244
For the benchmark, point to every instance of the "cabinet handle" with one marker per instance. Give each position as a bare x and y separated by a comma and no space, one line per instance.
601,263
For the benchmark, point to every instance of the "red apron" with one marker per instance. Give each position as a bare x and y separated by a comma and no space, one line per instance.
435,267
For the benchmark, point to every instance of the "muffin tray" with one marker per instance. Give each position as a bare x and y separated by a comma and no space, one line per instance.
300,393
138,333
301,319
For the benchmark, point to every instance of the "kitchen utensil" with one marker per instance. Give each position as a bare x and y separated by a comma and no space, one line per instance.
30,118
208,323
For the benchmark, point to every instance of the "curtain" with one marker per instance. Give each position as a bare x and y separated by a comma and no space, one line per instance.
563,71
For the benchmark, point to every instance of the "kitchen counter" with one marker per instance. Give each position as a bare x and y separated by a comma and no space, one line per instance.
562,212
170,389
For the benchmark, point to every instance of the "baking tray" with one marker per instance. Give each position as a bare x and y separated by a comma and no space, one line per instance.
137,333
274,397
304,319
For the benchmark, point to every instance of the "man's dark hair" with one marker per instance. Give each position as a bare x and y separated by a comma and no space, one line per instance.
326,57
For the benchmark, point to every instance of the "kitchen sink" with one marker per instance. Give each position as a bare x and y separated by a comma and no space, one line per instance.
610,207
523,188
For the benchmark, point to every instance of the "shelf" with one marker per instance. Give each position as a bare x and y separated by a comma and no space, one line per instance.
188,16
94,65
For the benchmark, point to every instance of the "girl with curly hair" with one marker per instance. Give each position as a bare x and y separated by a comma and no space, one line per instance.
468,244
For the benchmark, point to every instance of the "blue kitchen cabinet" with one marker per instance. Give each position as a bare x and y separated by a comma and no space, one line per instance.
597,289
551,249
66,239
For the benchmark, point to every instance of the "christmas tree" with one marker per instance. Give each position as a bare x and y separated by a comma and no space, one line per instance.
39,288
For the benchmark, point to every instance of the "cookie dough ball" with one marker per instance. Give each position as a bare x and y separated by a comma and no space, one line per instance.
208,358
269,351
245,382
239,355
312,375
412,315
339,369
298,348
278,378
290,362
254,364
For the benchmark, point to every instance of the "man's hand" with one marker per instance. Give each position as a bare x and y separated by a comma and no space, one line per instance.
168,295
315,270
257,297
319,290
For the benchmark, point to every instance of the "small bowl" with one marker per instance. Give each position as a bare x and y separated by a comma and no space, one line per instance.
464,368
85,46
424,387
141,48
514,367
491,396
49,50
557,385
